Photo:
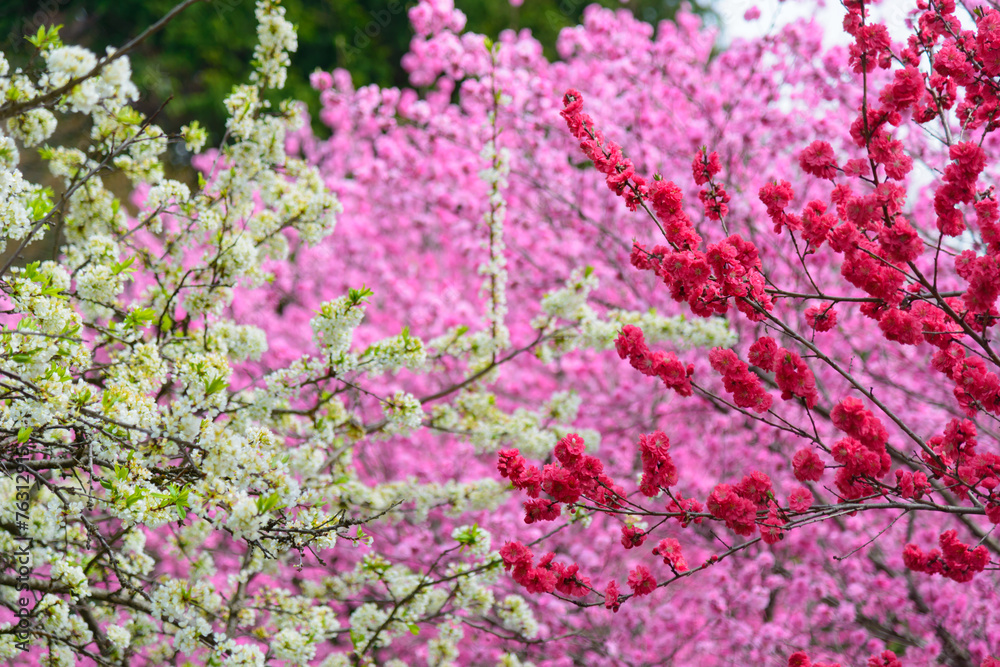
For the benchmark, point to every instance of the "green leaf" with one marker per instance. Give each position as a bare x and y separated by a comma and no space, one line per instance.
218,384
45,38
38,38
414,630
134,498
25,357
139,317
31,271
124,266
267,504
23,434
41,203
358,296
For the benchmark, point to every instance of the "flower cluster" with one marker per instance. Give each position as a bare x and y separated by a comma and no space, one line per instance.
954,560
576,475
545,577
744,386
631,345
738,504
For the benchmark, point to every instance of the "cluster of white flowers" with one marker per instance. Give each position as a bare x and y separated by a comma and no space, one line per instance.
391,354
244,519
516,615
15,194
475,537
403,413
534,432
194,136
589,330
443,650
276,37
292,647
494,269
119,636
73,576
334,325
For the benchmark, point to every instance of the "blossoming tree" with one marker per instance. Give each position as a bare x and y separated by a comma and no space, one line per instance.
237,438
770,112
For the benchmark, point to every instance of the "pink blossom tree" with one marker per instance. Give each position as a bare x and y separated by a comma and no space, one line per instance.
839,312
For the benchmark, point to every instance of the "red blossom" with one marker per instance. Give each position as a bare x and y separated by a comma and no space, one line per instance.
818,159
641,581
705,167
807,465
611,594
670,550
822,317
633,537
800,499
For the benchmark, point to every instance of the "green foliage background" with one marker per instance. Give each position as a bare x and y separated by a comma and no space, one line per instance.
197,59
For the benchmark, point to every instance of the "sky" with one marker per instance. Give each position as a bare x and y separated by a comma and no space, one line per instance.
830,15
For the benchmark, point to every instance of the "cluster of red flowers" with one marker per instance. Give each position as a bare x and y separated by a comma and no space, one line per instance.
606,155
729,268
686,510
807,465
547,576
734,261
631,345
953,452
912,485
862,455
983,275
818,159
670,550
976,387
633,537
736,265
658,469
791,374
822,317
959,186
776,196
883,659
800,499
745,387
667,202
738,504
871,43
954,560
713,197
575,475
641,580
